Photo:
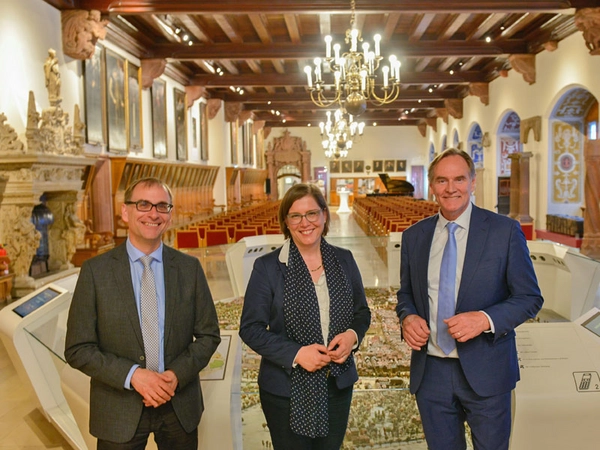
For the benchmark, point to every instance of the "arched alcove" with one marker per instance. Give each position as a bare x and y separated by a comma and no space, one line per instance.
475,149
568,131
287,150
509,141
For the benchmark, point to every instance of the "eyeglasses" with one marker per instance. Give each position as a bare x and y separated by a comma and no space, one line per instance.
311,216
145,206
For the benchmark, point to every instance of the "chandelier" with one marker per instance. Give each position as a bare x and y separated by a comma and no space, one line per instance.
339,135
356,74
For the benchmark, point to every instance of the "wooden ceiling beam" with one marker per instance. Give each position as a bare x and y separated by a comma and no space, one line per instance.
316,6
302,51
297,79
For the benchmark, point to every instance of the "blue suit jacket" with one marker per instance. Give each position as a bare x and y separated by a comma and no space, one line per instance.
262,325
498,278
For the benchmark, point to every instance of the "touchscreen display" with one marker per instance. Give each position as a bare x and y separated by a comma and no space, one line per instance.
40,299
593,324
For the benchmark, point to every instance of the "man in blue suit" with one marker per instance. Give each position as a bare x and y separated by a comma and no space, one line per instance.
494,289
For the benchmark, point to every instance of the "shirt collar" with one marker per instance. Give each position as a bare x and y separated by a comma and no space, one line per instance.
463,220
284,255
135,254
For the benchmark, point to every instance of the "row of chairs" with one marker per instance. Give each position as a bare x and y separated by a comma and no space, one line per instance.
230,227
380,216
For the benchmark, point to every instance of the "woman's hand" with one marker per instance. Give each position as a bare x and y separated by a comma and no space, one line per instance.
313,357
340,346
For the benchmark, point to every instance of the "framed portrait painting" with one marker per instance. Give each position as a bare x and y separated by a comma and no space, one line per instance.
401,165
95,107
180,124
116,102
390,165
334,166
134,107
347,166
203,132
378,166
359,166
159,118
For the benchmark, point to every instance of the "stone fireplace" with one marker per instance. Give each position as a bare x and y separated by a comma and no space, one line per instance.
50,164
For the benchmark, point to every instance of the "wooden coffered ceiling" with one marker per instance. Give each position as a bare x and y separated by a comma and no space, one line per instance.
262,46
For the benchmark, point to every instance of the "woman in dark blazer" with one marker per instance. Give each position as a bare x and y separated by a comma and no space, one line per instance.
305,312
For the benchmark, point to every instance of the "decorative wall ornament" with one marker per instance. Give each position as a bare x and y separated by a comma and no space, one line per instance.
587,21
80,32
432,122
481,90
454,106
442,113
525,65
151,70
532,123
283,151
9,141
232,111
51,134
567,159
54,167
212,107
193,93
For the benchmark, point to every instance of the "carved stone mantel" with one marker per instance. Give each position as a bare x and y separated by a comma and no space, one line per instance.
50,163
23,180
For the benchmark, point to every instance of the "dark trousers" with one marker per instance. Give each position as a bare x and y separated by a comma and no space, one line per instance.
446,400
277,413
168,432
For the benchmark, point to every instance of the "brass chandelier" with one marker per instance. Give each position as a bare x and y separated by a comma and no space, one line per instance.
356,75
338,136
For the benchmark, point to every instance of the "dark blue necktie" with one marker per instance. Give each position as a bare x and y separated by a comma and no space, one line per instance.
446,293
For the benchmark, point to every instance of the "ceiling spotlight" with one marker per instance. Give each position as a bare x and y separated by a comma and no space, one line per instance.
488,39
451,71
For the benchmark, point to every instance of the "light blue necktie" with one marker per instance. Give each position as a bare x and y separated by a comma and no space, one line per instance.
446,293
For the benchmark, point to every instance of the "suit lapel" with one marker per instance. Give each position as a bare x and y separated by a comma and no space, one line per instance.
124,286
171,289
479,228
424,241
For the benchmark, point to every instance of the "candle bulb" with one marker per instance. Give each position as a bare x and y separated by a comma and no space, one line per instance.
353,39
336,52
308,72
386,75
328,46
377,39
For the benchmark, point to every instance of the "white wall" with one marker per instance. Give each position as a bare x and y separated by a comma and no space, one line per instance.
29,27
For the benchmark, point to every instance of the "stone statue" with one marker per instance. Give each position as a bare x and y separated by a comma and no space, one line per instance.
52,74
24,242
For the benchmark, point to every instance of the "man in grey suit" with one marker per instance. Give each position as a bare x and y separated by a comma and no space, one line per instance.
105,337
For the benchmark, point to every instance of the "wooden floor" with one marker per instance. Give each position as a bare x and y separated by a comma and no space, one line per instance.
24,427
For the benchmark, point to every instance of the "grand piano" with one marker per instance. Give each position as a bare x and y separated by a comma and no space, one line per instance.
395,186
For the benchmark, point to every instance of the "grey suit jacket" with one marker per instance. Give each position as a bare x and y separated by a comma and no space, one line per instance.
104,338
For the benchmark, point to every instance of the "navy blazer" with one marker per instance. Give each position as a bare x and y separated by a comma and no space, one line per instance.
262,324
498,278
104,338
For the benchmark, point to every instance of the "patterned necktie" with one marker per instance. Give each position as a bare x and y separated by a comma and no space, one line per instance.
446,294
149,310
